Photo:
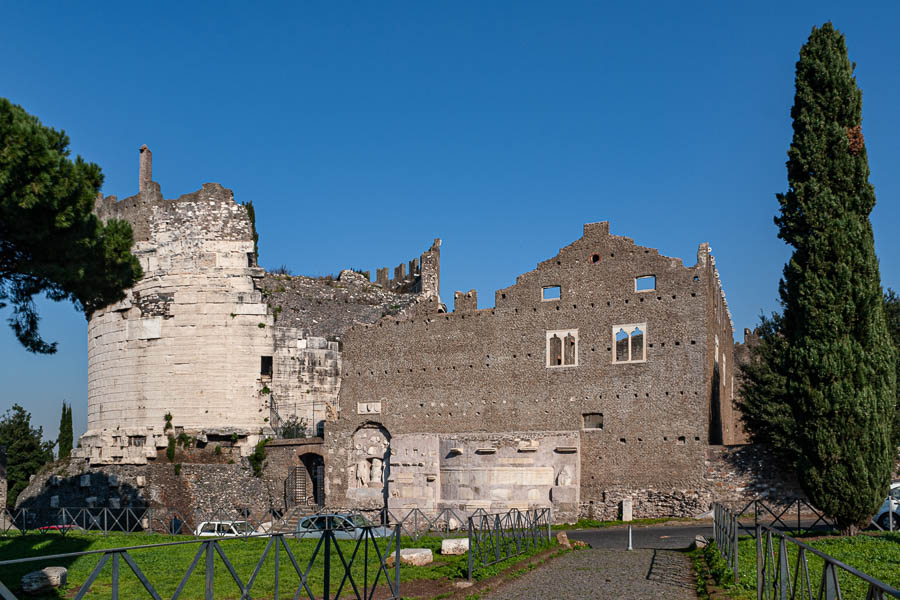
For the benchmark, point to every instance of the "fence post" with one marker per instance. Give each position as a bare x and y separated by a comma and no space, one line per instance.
471,549
327,558
734,548
759,564
210,593
397,561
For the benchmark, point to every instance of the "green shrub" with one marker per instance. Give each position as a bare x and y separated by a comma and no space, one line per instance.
178,469
170,449
258,457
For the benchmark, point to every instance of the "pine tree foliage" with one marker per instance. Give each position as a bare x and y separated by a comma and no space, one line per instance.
840,363
892,314
765,412
26,453
50,241
65,439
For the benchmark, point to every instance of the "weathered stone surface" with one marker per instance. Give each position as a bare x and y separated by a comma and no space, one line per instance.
43,580
417,557
455,546
563,539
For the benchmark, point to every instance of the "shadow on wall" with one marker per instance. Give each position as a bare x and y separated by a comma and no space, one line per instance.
754,471
87,490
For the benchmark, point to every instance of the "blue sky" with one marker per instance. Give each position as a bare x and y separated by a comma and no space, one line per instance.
361,131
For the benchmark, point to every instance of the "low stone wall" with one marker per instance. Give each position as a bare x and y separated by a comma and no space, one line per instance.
733,475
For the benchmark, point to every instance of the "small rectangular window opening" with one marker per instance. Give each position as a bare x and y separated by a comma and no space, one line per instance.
645,283
265,366
550,292
593,420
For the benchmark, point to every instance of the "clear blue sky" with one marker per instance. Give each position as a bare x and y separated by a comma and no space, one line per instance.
363,130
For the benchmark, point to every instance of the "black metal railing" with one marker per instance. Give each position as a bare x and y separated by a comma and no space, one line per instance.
783,572
497,537
334,561
779,515
167,520
725,534
417,523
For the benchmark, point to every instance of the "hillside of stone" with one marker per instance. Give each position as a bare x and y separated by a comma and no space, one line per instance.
327,307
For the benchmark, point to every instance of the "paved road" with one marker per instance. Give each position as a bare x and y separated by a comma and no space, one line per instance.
654,570
672,537
606,574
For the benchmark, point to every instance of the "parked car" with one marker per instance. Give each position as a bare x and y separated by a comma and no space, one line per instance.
881,517
225,529
344,526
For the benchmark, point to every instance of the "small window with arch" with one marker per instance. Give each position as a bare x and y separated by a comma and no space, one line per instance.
562,348
629,343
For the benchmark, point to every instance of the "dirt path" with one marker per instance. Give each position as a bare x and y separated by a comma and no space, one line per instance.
608,574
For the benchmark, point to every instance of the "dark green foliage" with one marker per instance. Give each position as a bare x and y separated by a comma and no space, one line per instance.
50,241
26,453
892,315
839,364
293,427
258,457
177,469
66,436
170,449
168,419
765,412
251,214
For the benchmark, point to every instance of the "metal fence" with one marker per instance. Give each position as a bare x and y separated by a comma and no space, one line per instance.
332,560
165,520
779,515
416,523
783,571
782,565
497,537
725,530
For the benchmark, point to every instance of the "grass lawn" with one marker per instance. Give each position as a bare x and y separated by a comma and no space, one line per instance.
165,566
875,555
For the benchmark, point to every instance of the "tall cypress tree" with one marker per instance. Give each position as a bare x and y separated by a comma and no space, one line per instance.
65,439
839,365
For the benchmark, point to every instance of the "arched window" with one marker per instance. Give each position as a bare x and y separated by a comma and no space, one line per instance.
630,343
562,348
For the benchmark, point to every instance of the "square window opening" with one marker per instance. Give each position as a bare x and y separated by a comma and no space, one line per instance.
645,283
592,420
550,292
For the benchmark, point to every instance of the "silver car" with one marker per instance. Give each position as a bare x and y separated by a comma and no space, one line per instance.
344,526
881,517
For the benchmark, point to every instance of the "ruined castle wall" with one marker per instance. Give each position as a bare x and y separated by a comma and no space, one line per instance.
642,421
188,338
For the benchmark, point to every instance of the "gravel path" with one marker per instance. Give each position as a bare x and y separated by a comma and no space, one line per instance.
608,574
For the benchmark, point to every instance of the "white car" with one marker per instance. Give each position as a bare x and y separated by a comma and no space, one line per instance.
225,529
881,517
